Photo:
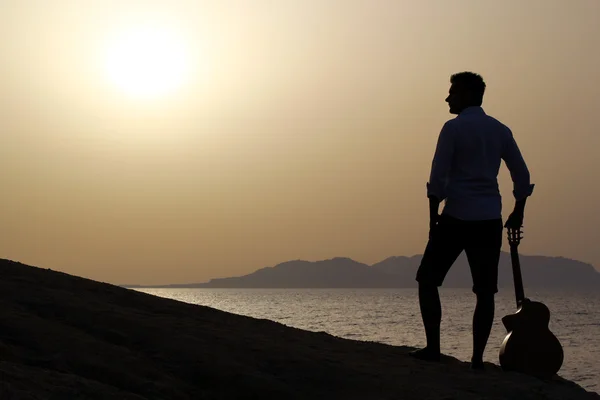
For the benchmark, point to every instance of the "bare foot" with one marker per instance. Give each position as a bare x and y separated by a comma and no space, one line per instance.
425,354
477,365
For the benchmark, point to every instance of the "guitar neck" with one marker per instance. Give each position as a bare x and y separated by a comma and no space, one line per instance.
516,267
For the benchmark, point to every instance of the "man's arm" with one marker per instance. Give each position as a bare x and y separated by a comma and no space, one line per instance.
440,168
522,186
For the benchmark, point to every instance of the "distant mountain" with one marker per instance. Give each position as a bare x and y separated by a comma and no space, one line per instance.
537,271
399,272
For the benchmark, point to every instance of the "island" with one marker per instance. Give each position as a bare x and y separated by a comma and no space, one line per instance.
399,272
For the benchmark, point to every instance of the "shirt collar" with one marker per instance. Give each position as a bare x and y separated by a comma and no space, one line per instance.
472,110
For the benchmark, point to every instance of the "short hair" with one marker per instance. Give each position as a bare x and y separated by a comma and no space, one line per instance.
472,82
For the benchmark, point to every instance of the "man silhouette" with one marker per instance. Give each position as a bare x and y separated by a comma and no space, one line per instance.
464,174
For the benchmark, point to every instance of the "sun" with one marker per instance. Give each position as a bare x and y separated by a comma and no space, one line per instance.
147,61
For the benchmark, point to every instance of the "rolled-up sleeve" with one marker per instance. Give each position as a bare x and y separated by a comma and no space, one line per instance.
519,173
442,161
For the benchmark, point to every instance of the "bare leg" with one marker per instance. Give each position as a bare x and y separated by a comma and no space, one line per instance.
431,312
483,318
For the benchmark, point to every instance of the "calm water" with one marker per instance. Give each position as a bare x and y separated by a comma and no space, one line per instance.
392,316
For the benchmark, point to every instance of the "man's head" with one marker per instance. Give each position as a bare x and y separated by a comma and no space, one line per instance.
466,91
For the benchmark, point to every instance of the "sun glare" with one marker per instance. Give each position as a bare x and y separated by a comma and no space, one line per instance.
147,61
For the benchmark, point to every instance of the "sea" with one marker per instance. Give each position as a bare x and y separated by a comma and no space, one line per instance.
392,316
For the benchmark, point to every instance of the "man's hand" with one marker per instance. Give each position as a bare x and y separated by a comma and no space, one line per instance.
433,221
434,217
515,220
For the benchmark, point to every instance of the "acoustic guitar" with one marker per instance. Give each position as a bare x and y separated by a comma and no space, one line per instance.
529,347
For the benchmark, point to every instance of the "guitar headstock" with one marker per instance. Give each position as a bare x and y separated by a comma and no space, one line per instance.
514,236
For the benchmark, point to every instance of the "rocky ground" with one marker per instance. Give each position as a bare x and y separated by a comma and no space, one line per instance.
65,337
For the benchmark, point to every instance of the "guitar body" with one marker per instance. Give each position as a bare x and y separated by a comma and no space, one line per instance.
530,347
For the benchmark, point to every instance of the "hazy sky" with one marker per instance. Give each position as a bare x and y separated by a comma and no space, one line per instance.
299,129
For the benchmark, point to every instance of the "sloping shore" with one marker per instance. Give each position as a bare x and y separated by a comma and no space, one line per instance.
65,337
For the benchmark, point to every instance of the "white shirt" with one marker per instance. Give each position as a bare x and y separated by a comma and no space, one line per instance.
464,171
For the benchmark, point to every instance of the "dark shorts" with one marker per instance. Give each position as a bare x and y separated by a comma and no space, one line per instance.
481,241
